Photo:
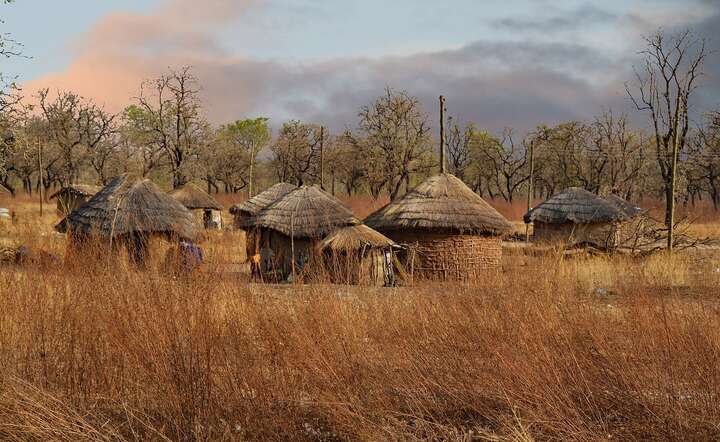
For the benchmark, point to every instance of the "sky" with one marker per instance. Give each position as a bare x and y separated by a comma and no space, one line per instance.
500,63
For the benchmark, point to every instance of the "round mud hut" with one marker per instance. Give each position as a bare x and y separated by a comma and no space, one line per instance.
452,233
291,227
73,196
576,216
129,212
359,255
201,204
244,213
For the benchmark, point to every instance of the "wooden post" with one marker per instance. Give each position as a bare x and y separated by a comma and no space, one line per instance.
292,245
322,157
530,187
40,170
442,134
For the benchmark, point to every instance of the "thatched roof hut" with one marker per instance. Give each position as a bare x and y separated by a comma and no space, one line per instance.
442,202
244,212
293,225
575,205
193,197
355,238
359,255
576,216
630,209
73,196
453,232
306,212
129,206
201,203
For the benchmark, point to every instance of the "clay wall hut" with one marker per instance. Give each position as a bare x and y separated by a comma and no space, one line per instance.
129,212
201,204
452,233
244,213
576,217
359,255
73,196
292,226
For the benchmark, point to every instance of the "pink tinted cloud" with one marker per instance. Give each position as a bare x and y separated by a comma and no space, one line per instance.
123,49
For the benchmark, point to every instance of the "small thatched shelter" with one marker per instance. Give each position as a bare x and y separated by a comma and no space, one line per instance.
452,232
293,225
359,255
201,204
73,196
576,216
129,211
244,213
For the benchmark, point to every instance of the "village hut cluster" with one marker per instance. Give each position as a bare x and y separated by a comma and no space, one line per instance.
440,230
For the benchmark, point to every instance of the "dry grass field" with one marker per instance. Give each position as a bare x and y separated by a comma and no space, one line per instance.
601,348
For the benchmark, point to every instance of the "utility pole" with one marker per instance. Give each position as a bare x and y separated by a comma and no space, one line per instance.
40,171
442,134
531,188
673,176
322,157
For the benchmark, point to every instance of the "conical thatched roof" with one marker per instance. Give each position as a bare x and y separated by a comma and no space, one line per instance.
128,205
630,209
575,205
193,197
442,202
355,238
260,201
78,189
306,212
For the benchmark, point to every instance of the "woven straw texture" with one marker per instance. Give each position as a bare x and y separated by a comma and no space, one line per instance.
442,202
575,205
193,197
128,206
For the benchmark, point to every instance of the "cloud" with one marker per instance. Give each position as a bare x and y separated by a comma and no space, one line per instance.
494,83
585,15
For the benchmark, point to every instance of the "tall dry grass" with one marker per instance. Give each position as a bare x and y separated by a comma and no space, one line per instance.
113,353
584,349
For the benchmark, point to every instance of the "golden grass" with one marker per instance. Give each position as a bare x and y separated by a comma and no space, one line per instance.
585,349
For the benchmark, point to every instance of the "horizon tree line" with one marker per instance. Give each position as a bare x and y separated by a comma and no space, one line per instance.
164,134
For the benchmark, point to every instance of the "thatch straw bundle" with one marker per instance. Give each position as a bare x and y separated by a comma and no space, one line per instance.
306,212
441,203
193,197
254,205
127,206
630,209
78,189
355,238
577,206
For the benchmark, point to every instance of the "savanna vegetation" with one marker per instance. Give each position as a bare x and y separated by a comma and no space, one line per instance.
546,348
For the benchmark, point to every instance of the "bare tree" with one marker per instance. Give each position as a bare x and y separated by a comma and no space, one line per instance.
175,124
509,160
296,152
664,86
397,127
80,129
458,144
